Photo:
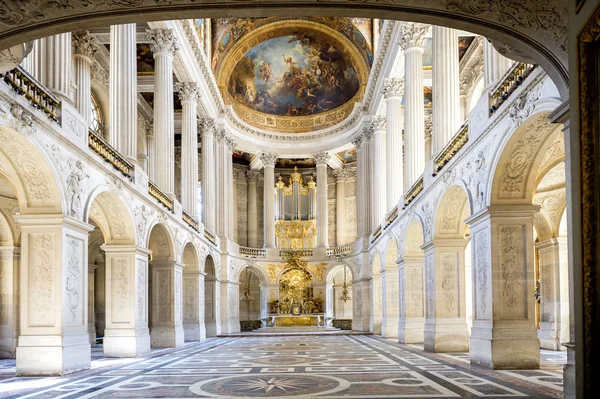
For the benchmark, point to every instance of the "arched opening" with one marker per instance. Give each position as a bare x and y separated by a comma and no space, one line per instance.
165,290
376,294
412,286
390,292
339,283
211,290
193,288
251,299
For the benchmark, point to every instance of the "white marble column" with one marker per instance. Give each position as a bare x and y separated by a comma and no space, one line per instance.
53,58
151,146
189,94
91,304
126,291
231,199
495,64
164,44
252,176
84,50
223,174
340,205
379,206
268,161
446,100
393,90
361,185
412,42
123,90
234,204
370,179
207,127
53,275
322,212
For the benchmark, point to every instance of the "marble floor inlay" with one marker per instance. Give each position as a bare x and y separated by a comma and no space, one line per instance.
290,367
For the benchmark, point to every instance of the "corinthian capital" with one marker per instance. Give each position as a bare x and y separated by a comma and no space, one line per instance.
322,158
358,140
413,35
268,159
206,126
188,92
252,175
393,87
340,174
162,41
378,123
83,44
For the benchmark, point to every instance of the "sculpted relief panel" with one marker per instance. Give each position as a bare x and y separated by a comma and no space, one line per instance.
450,285
512,272
41,278
120,291
74,281
482,275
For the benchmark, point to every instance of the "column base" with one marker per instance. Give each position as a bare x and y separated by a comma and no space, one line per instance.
548,335
411,331
126,342
211,329
194,332
44,355
443,336
389,328
166,336
514,350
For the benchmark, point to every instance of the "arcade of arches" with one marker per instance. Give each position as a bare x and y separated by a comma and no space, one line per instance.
335,205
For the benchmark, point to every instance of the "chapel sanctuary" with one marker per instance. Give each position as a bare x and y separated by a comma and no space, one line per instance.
299,199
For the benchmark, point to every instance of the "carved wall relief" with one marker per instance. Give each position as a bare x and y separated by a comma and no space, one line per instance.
430,285
164,295
450,285
120,291
141,290
41,277
513,272
74,281
482,274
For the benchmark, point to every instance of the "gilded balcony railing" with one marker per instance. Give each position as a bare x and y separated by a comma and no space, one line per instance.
414,191
210,237
339,251
376,234
33,91
110,155
254,253
393,215
160,196
508,84
193,223
300,253
452,148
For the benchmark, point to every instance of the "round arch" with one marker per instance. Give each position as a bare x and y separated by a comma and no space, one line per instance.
453,208
414,238
335,269
209,266
517,30
161,243
391,254
262,276
190,258
111,212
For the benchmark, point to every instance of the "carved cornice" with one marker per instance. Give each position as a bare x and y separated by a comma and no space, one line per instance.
84,45
413,35
162,41
189,92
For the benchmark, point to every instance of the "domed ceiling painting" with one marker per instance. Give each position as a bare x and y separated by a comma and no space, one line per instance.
291,75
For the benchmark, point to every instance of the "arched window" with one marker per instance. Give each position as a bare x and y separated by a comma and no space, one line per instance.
97,122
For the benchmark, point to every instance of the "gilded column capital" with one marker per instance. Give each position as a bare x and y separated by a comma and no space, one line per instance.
413,35
268,159
340,174
162,41
252,175
189,92
84,45
393,87
378,123
322,158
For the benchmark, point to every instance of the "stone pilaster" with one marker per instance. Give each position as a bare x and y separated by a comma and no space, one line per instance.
268,161
91,304
189,94
208,174
167,316
376,303
230,307
412,42
9,317
164,44
379,205
84,50
411,279
340,205
193,306
390,302
212,289
322,212
446,104
252,177
393,91
123,90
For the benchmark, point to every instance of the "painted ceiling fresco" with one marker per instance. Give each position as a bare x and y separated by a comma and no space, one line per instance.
463,45
291,75
242,158
347,156
295,162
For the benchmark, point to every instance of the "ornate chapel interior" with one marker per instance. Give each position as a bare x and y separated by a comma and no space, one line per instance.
176,173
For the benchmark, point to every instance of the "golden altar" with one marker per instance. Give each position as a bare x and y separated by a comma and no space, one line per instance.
288,320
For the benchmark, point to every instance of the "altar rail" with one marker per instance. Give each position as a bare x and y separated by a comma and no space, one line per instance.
33,91
193,223
253,253
512,79
160,196
452,148
339,251
101,147
415,190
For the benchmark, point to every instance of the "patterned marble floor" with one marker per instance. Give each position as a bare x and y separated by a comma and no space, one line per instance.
290,367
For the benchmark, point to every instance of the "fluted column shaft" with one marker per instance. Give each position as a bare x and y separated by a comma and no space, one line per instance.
164,45
413,40
322,214
52,58
446,96
222,172
208,175
370,180
340,205
252,177
151,146
269,199
393,92
361,185
84,50
379,169
189,95
231,198
123,90
495,65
